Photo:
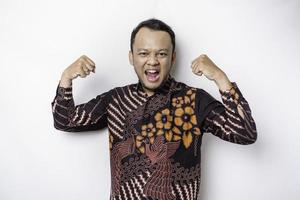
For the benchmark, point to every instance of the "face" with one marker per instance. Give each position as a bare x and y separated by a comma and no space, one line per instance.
152,58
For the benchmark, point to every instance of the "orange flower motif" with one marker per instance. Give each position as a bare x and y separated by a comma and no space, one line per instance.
173,135
176,134
191,93
177,102
148,132
187,139
185,117
139,143
163,120
164,125
190,97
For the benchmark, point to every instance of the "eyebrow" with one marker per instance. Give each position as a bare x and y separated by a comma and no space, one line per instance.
141,49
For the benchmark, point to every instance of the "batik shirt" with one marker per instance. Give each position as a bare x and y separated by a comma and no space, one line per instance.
155,141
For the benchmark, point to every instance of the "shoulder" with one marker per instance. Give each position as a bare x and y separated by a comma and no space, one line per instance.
181,87
186,88
121,90
200,95
200,92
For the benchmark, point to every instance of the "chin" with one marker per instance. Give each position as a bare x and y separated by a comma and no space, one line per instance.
151,86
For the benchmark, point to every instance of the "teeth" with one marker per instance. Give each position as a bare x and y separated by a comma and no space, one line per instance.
151,71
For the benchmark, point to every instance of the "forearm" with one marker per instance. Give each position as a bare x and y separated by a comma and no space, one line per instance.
232,122
225,85
63,107
223,82
84,117
65,82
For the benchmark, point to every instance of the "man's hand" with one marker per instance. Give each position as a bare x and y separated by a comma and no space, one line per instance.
81,67
204,65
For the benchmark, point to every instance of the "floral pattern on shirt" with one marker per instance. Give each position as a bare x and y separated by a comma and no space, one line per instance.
183,117
155,142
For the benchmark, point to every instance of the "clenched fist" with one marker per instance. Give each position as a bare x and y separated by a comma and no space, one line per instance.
204,65
81,67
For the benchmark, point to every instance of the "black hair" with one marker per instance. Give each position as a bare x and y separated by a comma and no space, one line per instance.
153,24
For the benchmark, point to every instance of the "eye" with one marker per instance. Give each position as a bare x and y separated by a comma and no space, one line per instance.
162,54
143,54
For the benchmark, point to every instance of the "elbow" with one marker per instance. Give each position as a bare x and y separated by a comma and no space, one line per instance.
251,140
250,134
58,127
62,128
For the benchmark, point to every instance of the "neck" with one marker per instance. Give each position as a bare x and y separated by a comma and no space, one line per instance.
148,92
161,88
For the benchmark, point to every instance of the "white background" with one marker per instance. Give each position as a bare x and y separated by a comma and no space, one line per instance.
256,43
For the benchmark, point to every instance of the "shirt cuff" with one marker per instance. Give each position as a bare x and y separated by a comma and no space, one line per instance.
233,93
63,93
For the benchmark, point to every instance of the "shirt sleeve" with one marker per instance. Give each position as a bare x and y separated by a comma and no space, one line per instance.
88,116
231,121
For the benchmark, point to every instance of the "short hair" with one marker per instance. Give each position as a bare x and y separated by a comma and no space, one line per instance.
153,24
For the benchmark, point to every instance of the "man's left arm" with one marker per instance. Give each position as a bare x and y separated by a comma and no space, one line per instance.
232,121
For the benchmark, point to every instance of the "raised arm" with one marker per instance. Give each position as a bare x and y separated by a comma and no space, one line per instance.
76,118
84,117
232,121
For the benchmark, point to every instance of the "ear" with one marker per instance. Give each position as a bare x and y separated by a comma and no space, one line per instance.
173,58
130,55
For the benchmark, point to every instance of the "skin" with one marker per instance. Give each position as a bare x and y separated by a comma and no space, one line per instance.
204,65
152,50
81,67
146,55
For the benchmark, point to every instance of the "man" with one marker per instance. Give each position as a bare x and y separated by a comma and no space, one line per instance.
156,126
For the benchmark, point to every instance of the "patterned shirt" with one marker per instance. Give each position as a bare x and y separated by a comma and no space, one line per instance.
155,140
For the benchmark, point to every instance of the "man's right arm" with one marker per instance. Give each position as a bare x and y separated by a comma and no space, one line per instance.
84,117
88,116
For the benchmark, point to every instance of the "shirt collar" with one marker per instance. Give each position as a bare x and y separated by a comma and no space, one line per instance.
164,88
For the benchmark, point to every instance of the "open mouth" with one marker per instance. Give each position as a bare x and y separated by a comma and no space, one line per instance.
152,75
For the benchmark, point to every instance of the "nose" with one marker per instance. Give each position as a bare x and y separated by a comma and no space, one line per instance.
152,60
